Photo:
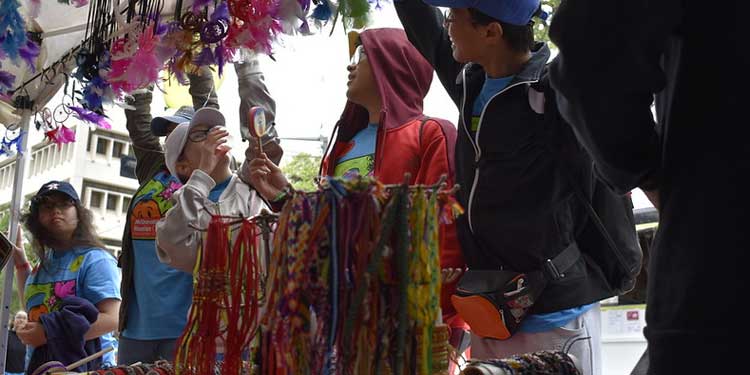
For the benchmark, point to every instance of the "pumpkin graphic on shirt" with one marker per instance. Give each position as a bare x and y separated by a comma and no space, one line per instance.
47,297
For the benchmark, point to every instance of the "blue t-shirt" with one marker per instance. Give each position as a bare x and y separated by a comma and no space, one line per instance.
215,193
491,87
88,273
546,322
160,296
360,158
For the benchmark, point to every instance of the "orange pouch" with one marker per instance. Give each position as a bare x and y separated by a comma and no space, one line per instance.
494,302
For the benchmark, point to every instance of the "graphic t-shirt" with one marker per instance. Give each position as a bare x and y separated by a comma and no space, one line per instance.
160,295
359,159
85,272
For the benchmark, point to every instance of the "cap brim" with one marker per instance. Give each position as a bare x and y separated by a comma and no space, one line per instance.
160,125
208,116
451,3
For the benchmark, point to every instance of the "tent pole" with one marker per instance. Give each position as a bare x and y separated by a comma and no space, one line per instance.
15,215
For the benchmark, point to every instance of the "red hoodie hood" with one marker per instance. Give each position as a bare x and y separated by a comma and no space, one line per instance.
403,77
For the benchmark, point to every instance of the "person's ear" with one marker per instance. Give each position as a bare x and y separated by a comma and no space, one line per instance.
183,168
495,31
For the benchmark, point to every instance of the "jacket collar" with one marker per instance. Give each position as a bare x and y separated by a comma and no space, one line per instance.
531,71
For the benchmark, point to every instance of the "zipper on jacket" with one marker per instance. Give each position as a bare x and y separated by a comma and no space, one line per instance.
478,150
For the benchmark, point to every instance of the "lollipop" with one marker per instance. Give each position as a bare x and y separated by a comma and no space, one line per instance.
257,118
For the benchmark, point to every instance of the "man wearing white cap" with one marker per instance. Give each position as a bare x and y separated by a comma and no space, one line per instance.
198,154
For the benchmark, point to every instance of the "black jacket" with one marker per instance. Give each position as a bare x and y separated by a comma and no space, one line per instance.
520,207
692,58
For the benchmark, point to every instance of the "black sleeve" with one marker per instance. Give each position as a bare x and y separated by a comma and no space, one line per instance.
424,27
606,75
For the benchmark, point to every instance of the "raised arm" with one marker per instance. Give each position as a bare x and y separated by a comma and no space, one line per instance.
146,147
424,27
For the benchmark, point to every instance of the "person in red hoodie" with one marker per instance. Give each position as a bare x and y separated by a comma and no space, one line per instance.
383,133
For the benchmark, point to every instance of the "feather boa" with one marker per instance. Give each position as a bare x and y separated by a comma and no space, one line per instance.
90,116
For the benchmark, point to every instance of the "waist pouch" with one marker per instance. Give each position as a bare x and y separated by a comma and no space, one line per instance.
494,302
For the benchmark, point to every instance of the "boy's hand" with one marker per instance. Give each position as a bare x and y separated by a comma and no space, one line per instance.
213,148
272,149
265,177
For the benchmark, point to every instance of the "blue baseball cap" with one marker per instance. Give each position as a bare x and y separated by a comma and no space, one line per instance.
56,186
160,124
514,12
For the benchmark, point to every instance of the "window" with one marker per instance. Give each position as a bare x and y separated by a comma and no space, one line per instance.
101,146
125,203
117,148
112,201
96,199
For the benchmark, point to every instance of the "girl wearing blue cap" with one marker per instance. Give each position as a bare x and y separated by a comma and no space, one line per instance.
73,294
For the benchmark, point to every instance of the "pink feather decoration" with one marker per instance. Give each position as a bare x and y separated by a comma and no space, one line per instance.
61,135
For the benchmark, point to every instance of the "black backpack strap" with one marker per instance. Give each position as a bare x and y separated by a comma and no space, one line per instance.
556,267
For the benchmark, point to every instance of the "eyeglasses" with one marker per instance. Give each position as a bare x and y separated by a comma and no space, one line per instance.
358,55
51,206
199,135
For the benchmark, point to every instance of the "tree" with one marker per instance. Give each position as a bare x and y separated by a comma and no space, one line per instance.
302,170
541,28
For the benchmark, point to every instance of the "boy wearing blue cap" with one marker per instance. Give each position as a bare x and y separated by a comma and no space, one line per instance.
520,211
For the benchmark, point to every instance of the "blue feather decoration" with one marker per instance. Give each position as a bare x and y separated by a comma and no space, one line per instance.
322,11
12,28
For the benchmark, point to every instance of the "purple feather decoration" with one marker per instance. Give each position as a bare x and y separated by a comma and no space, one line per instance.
29,53
200,4
6,80
220,54
90,116
221,12
205,57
